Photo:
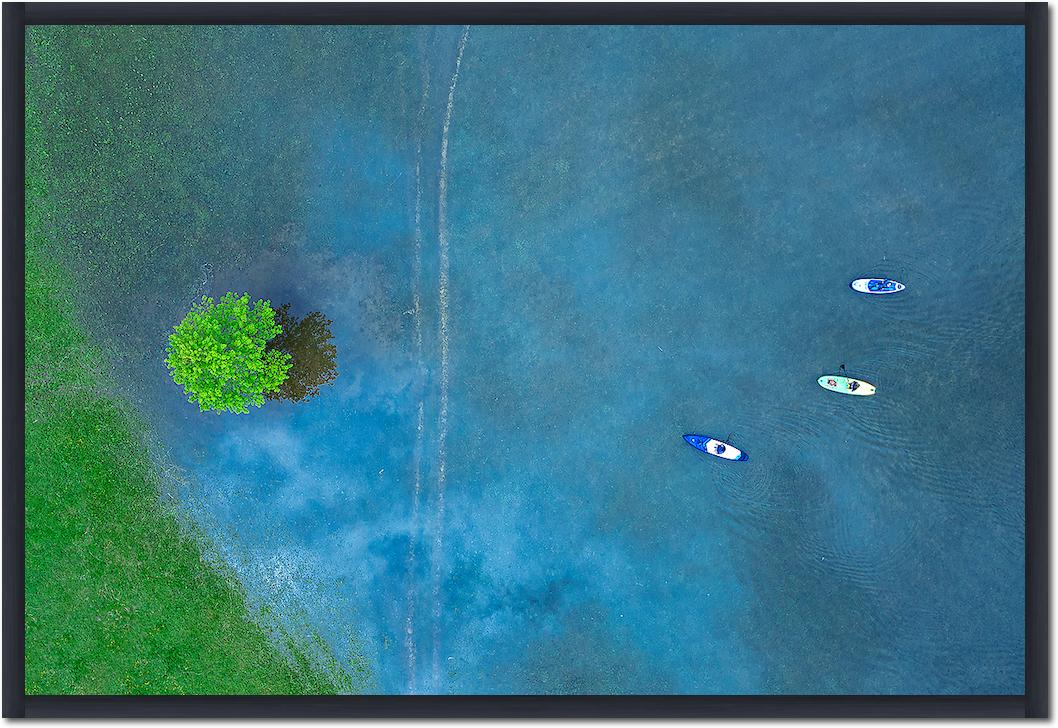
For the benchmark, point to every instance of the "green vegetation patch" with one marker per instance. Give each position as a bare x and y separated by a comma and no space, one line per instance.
217,353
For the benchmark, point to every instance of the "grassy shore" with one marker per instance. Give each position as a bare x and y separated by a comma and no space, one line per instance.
119,599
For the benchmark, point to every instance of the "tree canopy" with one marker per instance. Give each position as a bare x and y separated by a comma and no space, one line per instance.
219,354
307,343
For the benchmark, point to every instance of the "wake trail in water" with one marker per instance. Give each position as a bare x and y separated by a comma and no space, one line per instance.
409,623
442,417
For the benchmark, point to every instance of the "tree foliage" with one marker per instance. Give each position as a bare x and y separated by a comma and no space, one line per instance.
219,354
307,342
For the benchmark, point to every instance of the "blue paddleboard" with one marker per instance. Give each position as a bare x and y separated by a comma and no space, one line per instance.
716,448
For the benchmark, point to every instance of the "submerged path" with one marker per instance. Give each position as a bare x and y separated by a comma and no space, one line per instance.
442,325
409,624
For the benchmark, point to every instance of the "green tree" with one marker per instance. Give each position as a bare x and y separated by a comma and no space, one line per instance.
218,354
308,344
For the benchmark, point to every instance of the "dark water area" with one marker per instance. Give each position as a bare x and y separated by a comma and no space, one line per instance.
548,253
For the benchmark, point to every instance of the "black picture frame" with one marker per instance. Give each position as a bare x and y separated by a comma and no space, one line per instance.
1035,701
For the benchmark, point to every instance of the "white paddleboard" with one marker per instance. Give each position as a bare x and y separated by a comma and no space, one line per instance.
877,286
846,385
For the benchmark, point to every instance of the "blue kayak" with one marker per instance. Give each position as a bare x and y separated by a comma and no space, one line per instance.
715,447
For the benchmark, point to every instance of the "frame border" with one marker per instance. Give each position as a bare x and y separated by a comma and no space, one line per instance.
1036,700
1037,359
524,13
14,361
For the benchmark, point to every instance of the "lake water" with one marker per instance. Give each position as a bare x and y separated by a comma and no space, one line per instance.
548,253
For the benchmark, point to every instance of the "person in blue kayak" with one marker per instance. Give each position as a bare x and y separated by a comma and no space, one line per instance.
720,448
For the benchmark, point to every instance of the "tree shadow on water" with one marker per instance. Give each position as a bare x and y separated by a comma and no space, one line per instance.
308,341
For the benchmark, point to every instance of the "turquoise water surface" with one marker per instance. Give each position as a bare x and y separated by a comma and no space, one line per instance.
549,252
